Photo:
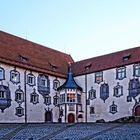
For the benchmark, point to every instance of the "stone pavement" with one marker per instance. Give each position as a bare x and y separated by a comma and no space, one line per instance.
80,131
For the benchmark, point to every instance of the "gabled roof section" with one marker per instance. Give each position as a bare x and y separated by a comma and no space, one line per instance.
107,61
70,82
23,53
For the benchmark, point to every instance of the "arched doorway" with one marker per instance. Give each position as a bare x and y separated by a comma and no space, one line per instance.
48,116
71,118
137,110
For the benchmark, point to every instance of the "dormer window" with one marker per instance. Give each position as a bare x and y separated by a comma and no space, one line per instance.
23,59
126,57
2,74
31,79
87,66
14,76
53,67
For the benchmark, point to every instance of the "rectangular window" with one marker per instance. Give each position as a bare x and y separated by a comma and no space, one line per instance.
2,94
136,70
98,77
1,73
71,98
43,82
19,111
92,110
14,76
121,73
30,80
19,96
78,98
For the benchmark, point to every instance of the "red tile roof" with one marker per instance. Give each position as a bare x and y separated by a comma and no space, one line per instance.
108,61
23,53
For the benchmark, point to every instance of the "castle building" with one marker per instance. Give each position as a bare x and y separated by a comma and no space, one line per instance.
39,84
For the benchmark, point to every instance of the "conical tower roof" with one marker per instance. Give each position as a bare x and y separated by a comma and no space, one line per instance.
70,82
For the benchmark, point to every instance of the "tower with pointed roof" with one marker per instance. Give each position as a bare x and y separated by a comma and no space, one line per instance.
70,100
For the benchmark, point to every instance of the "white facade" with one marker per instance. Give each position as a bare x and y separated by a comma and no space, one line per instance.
101,109
34,87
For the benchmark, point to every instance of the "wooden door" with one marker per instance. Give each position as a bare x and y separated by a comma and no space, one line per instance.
71,118
137,111
48,116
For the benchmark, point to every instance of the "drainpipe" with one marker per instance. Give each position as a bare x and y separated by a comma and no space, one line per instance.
86,98
25,96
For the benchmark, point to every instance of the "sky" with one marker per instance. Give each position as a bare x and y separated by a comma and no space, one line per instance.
81,28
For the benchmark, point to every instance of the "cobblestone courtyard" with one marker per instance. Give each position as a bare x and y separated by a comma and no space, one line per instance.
89,131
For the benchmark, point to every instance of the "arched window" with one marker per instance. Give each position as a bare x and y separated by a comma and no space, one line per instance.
2,74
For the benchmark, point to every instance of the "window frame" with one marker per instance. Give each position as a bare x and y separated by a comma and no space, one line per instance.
92,94
92,110
62,98
116,90
120,73
34,97
113,108
19,93
17,77
99,77
2,94
19,108
104,93
71,98
33,83
2,72
56,100
136,69
47,100
56,84
78,98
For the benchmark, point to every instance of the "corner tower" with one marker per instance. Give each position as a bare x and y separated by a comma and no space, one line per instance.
70,100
